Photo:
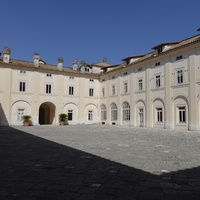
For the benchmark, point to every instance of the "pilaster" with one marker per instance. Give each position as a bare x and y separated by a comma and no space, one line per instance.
193,105
168,124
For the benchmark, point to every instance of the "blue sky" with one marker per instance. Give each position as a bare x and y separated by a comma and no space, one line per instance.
93,29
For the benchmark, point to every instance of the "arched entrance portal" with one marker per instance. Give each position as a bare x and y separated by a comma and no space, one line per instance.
46,113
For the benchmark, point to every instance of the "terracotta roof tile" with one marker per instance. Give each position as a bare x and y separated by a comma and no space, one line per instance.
100,64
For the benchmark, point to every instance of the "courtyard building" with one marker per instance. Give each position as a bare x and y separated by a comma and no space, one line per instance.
160,89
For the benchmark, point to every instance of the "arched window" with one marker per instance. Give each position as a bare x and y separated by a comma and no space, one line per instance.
126,111
113,112
103,113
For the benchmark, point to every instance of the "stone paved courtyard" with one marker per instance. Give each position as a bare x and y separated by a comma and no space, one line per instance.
98,162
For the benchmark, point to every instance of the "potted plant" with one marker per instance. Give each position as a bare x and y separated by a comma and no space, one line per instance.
62,118
26,120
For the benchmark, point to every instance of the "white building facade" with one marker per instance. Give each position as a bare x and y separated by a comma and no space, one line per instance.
160,89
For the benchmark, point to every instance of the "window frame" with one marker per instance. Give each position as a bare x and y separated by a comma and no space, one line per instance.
19,115
125,87
70,115
90,115
91,92
23,72
48,88
157,81
113,112
182,115
113,89
180,57
140,84
22,86
49,75
103,113
103,91
179,76
126,112
159,115
71,90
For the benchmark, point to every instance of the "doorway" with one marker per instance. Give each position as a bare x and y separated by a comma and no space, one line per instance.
46,113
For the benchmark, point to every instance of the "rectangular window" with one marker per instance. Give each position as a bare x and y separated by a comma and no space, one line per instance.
125,73
180,76
91,92
70,115
140,84
140,69
157,64
71,90
90,115
48,89
179,57
158,81
159,115
125,87
20,113
87,69
22,86
159,50
49,75
182,115
113,89
22,72
103,92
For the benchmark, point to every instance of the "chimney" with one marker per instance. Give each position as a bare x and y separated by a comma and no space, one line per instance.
82,66
75,64
36,59
6,54
60,63
105,60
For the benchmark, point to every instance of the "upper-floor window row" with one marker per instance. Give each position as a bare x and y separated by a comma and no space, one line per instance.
48,75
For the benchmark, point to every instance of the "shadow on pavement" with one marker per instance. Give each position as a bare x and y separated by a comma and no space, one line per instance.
35,168
3,119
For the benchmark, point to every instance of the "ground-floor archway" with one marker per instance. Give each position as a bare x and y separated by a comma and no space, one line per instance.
46,113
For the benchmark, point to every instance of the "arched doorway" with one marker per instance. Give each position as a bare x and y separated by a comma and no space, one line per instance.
46,113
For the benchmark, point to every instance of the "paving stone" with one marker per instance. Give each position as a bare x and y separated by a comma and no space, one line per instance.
98,162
